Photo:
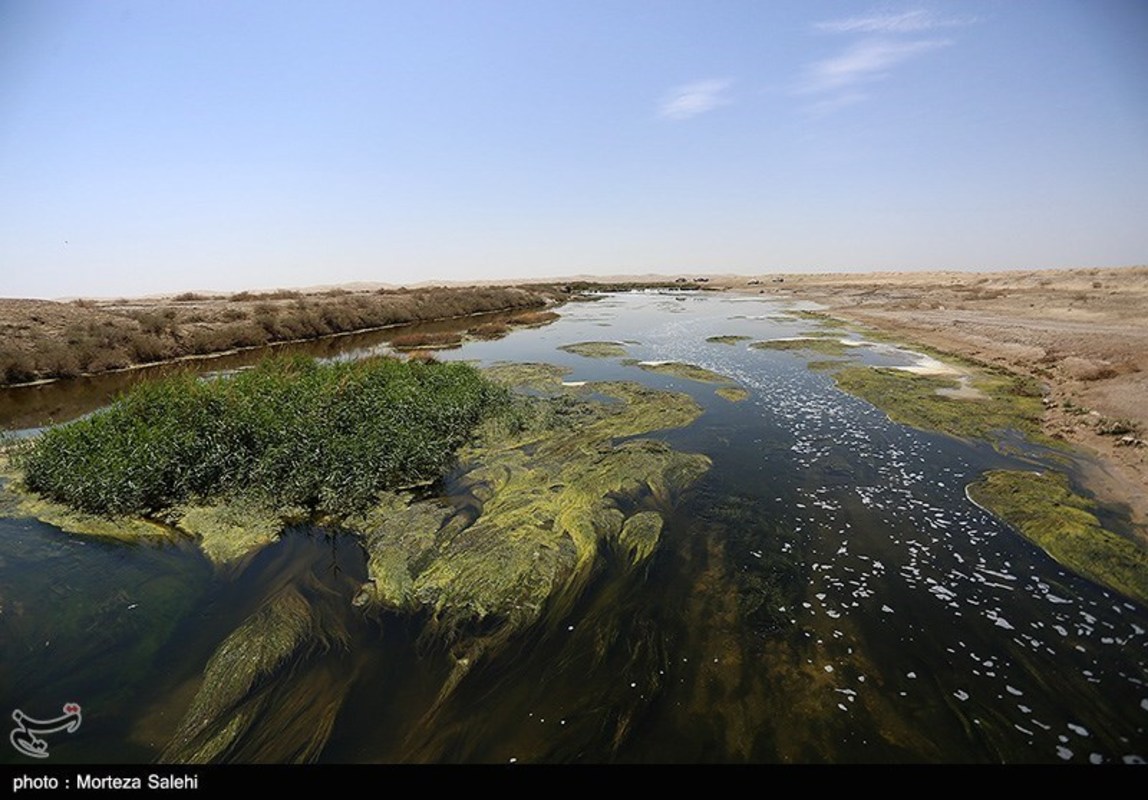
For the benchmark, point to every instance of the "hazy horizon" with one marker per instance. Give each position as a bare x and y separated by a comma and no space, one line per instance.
208,146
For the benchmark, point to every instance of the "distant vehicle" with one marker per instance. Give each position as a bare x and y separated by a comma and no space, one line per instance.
701,280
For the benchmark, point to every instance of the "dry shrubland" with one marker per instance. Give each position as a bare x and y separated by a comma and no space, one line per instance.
42,339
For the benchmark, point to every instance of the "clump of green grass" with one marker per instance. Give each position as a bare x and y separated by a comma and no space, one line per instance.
1045,510
291,432
596,349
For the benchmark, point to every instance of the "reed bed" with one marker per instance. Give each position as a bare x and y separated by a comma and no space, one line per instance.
290,432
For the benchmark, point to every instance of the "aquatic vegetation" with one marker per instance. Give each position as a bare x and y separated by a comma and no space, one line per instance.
735,394
281,662
228,531
814,344
573,588
820,317
17,501
915,400
532,508
596,349
537,501
535,376
690,372
825,364
253,652
821,333
239,691
291,432
728,339
1045,510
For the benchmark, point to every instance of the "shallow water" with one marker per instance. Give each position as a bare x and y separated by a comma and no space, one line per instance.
826,593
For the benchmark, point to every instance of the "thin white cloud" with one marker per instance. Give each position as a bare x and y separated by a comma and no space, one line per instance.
887,39
867,60
694,98
834,103
913,21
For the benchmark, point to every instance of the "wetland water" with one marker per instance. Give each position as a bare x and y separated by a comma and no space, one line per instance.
824,593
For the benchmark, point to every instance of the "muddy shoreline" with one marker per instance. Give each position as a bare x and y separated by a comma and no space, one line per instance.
1082,333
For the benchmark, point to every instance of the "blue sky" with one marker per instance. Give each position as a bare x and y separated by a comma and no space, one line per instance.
200,144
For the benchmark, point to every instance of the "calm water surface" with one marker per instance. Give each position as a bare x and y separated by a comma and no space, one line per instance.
826,593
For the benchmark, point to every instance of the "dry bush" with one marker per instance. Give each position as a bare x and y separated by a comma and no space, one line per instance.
16,366
143,335
278,294
1083,369
1117,427
533,318
489,330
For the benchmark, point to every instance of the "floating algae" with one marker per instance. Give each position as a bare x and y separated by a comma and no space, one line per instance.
728,339
529,375
1045,510
814,344
825,364
639,536
819,317
914,399
735,394
17,501
533,508
596,349
229,531
690,372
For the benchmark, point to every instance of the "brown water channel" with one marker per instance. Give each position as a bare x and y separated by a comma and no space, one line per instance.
824,594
